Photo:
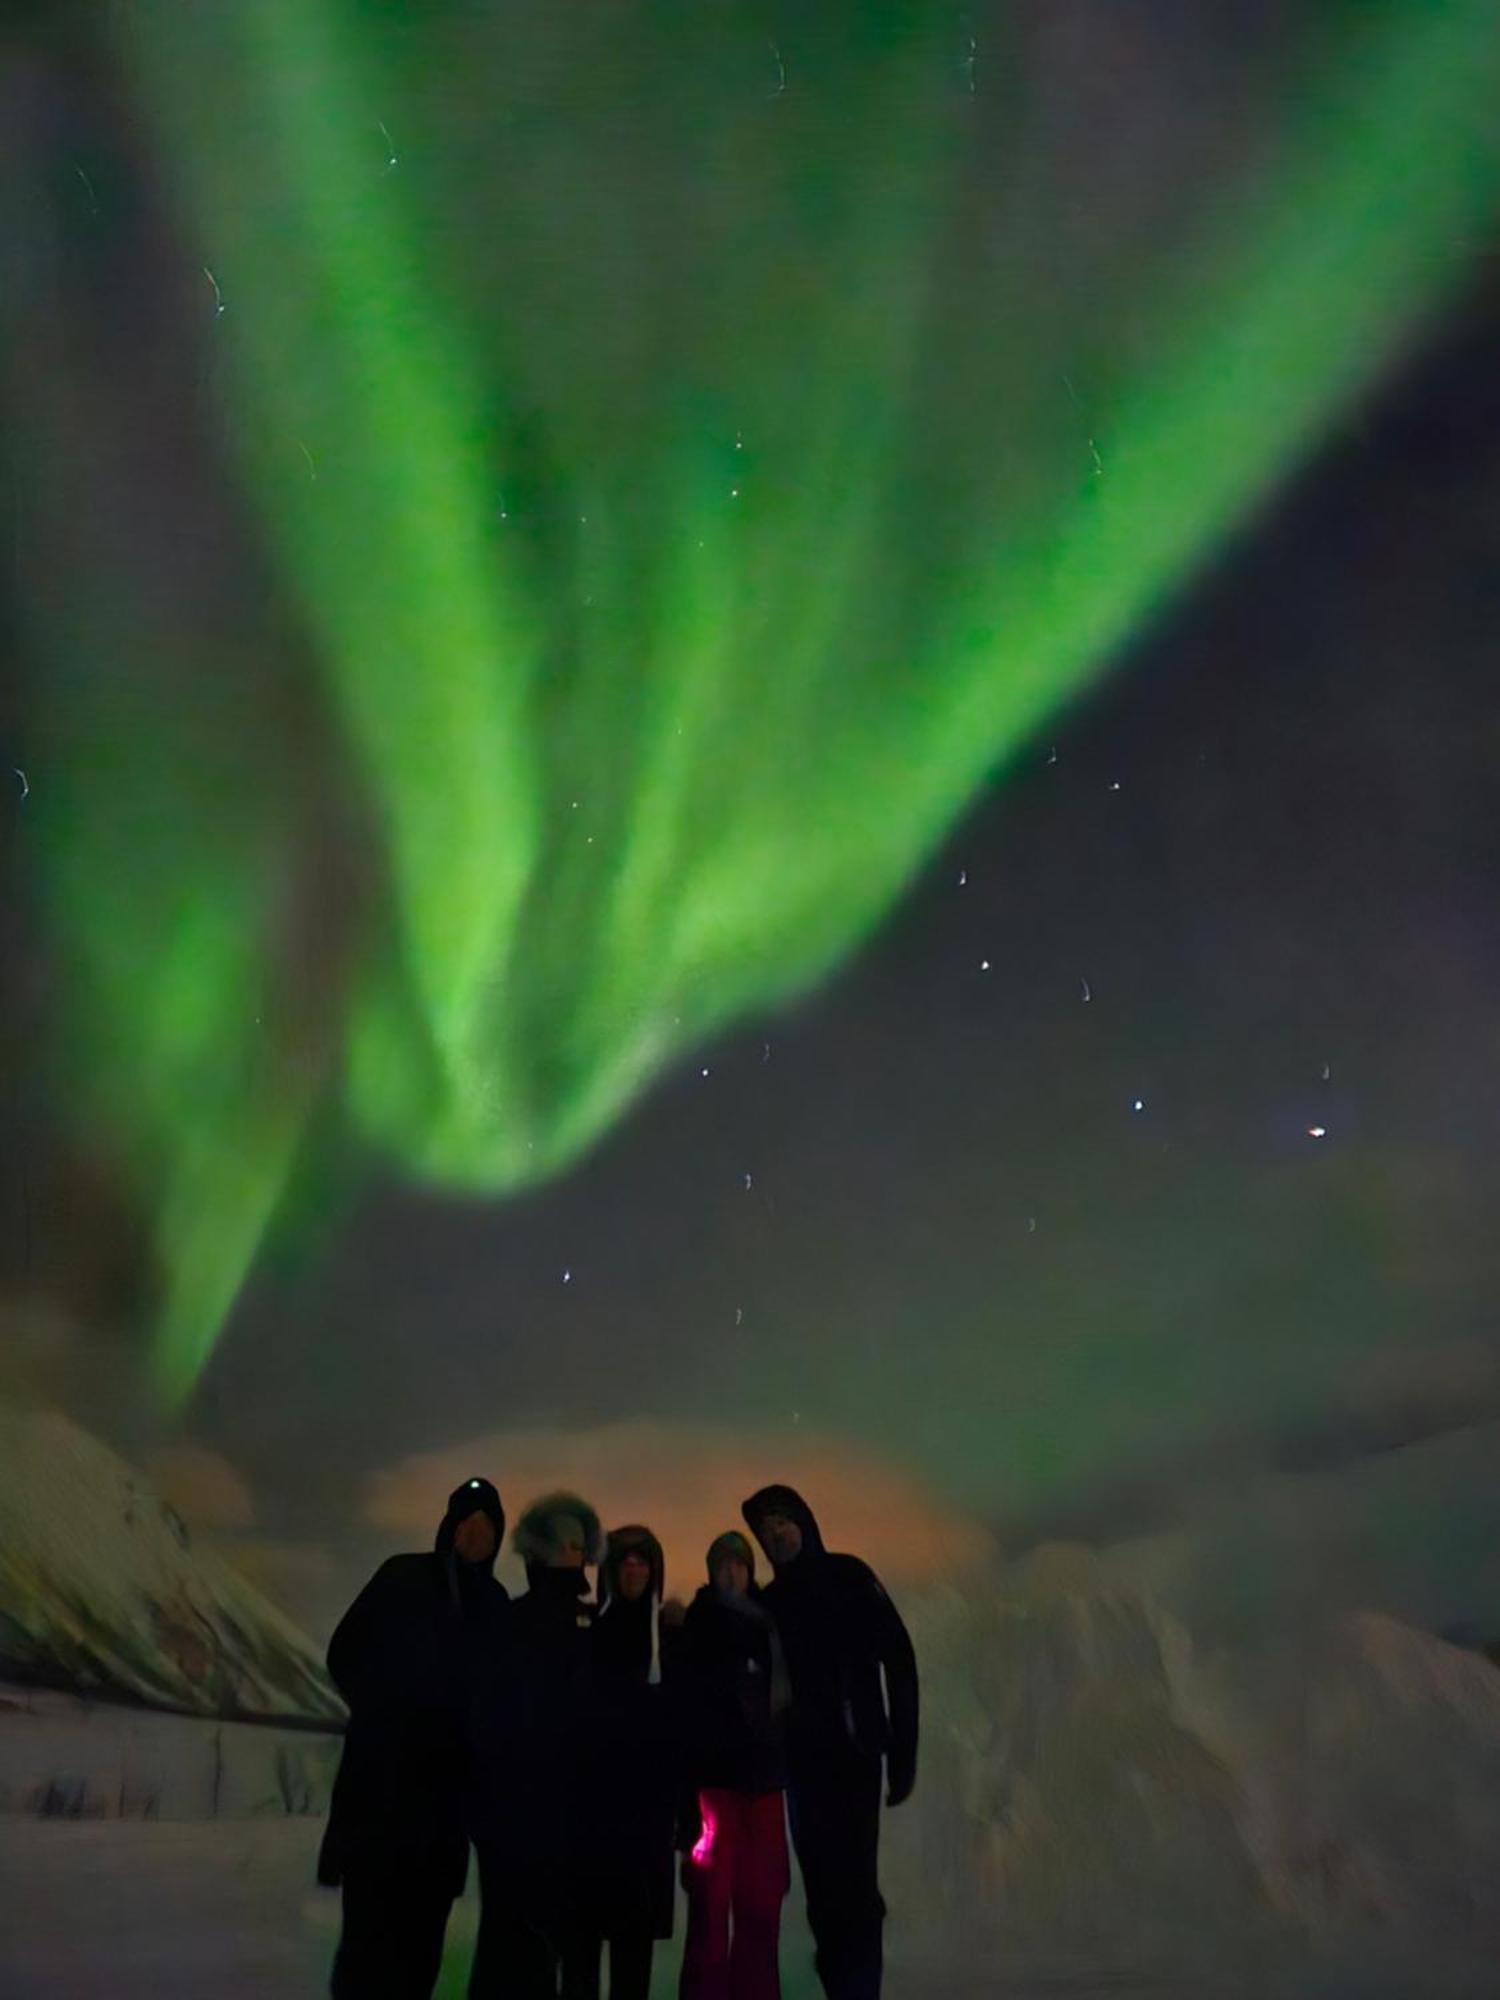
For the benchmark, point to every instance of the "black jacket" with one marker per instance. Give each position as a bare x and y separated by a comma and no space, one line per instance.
630,1785
841,1632
529,1731
734,1694
406,1657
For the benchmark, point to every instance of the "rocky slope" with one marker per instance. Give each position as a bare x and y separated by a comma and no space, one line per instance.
103,1592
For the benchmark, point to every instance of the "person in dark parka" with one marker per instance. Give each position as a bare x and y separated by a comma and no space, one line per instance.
529,1733
734,1697
841,1634
630,1784
405,1657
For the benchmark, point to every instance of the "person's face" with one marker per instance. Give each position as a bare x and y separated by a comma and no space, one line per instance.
780,1537
731,1576
474,1538
634,1574
567,1544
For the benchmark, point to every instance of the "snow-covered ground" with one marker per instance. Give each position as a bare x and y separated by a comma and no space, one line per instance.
182,1912
164,1911
1103,1808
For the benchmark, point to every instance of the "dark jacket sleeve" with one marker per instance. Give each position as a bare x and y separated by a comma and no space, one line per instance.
893,1648
359,1659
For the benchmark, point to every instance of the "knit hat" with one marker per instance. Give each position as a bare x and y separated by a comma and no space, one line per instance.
733,1544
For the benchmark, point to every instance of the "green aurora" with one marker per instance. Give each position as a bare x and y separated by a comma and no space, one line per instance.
695,466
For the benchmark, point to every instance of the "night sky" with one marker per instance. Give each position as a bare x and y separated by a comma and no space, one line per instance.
960,1240
1146,1146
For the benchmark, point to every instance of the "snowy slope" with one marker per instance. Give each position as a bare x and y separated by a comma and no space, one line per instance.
1089,1785
1375,1768
1063,1793
102,1591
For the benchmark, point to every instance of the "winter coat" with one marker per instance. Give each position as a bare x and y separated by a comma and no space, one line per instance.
632,1774
528,1739
734,1694
529,1726
406,1657
841,1632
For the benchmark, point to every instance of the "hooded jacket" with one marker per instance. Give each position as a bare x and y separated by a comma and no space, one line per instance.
406,1657
628,1634
735,1688
631,1785
841,1633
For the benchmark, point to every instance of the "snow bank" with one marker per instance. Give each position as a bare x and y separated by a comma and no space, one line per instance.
66,1758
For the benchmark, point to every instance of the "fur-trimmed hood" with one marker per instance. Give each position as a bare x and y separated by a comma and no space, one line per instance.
534,1538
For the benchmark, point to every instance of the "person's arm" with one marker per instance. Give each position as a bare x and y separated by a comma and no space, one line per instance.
355,1650
898,1660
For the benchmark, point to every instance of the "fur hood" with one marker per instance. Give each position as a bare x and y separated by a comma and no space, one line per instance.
532,1539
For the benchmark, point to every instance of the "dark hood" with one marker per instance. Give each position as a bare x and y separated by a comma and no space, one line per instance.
475,1496
785,1500
619,1543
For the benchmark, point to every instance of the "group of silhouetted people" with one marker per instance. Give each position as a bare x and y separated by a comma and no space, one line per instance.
583,1744
593,1749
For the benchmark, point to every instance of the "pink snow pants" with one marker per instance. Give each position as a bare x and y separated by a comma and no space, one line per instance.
736,1879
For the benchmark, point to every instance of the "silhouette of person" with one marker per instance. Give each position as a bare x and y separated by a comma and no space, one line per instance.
735,1696
841,1633
406,1657
630,1786
530,1741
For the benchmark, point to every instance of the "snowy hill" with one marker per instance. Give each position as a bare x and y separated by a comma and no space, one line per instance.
102,1592
1064,1794
1376,1774
1089,1786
